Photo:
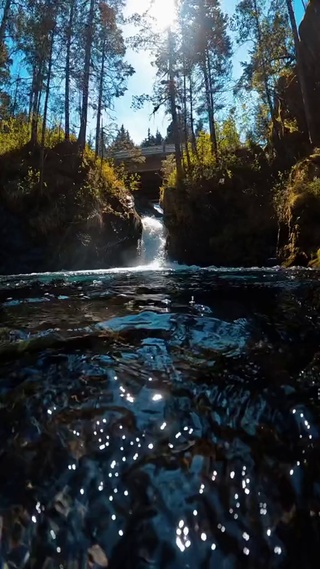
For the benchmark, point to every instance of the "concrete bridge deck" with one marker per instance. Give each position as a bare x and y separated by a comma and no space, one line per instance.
149,169
154,156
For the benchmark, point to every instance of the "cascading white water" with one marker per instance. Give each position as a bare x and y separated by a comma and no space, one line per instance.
153,241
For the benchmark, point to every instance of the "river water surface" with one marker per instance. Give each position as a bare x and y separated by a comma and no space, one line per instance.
161,416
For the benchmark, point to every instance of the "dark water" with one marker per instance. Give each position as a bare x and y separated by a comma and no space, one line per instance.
165,419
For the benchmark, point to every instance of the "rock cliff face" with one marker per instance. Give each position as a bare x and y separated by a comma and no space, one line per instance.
78,220
226,221
301,245
106,240
302,212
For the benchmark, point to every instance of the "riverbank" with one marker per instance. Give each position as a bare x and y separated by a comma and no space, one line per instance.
60,209
222,214
242,212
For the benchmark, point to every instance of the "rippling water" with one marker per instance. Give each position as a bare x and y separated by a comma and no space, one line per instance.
165,418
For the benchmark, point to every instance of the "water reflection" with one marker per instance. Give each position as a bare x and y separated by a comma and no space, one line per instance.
141,428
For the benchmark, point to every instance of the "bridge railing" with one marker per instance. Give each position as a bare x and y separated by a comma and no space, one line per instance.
163,149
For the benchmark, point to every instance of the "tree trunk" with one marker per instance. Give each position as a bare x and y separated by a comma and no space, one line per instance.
301,77
173,109
45,110
39,102
86,79
263,64
36,105
213,122
67,74
4,20
193,136
102,145
185,116
31,96
212,129
100,97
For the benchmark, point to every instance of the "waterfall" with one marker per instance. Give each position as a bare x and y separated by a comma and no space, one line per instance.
153,241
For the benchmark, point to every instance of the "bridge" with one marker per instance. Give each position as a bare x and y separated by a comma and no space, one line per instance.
153,158
147,162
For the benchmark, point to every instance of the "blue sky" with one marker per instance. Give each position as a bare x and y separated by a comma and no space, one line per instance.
138,122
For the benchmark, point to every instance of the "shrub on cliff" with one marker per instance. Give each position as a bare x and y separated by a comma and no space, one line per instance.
15,133
243,166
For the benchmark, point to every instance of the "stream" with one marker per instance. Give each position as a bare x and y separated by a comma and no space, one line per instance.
160,416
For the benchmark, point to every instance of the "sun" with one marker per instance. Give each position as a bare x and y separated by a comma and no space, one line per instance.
164,14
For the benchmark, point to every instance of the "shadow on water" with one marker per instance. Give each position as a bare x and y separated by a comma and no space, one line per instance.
165,419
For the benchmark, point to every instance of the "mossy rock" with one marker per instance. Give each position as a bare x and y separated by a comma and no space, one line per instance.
306,170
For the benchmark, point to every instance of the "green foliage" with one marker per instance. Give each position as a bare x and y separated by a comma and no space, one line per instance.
152,140
14,133
18,193
280,197
168,171
311,188
298,208
104,171
200,164
228,135
122,141
29,183
130,181
263,27
53,136
256,22
315,262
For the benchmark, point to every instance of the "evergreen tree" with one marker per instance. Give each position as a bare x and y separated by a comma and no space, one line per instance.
112,71
122,141
152,140
71,49
207,32
255,22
